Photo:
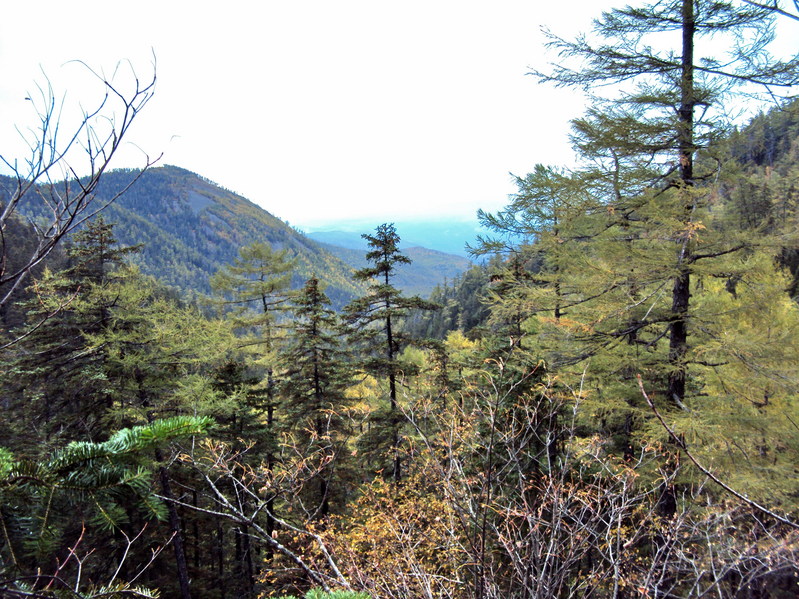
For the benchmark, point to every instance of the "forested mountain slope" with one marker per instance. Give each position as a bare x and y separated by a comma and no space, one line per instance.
190,227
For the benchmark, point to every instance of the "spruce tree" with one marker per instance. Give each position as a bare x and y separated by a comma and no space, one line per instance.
313,381
374,323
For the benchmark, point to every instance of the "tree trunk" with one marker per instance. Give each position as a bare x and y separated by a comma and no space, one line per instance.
678,330
392,394
174,525
220,564
196,531
270,524
247,565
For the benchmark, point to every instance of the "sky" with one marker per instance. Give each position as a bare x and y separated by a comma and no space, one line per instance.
319,111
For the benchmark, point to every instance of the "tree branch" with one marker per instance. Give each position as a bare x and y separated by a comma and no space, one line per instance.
680,442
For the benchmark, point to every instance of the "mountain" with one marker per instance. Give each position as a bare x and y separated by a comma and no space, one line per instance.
428,268
449,236
189,228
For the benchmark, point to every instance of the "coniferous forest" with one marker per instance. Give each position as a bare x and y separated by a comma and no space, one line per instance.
605,406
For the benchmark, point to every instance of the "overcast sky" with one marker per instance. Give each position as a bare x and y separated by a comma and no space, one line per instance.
318,110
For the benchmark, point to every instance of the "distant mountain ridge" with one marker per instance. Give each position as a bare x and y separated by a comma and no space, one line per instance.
190,227
446,235
428,268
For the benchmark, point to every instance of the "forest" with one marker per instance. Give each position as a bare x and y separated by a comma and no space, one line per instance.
605,407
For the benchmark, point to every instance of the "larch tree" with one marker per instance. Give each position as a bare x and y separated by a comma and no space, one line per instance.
117,350
256,289
637,239
158,358
651,140
61,378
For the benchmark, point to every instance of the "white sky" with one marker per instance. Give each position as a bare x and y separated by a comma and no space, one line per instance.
318,110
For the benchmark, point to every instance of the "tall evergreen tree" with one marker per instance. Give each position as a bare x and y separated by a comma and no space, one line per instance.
374,322
256,287
313,382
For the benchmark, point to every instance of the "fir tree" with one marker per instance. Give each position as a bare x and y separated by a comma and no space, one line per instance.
313,382
374,320
97,484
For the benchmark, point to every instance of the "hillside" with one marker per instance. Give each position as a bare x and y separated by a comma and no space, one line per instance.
190,227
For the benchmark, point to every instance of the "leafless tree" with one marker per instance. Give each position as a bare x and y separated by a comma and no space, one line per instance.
67,578
58,179
517,520
233,491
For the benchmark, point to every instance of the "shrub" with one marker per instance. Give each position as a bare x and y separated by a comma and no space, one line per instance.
319,594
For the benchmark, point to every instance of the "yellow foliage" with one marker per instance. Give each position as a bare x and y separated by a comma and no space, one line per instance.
401,539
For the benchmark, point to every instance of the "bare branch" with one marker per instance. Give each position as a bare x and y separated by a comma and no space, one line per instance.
55,208
680,442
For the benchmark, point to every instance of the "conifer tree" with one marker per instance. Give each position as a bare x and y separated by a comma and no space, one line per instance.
99,484
62,377
256,288
313,382
635,238
374,322
159,356
652,138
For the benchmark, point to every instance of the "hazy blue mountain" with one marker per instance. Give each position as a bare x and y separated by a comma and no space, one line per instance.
428,269
445,235
340,239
